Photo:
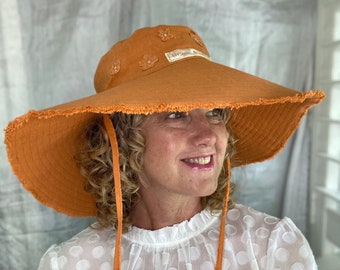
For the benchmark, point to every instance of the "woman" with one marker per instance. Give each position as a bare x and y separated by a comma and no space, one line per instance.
161,135
167,161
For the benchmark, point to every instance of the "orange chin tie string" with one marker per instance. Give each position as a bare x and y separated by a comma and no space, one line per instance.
223,220
118,190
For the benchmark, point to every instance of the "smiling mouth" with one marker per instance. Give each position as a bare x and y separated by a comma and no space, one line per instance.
199,161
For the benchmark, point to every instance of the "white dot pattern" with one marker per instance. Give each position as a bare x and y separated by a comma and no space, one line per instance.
253,241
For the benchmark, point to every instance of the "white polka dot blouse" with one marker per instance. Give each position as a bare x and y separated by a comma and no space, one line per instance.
254,240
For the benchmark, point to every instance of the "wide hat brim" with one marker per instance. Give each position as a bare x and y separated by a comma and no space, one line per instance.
41,145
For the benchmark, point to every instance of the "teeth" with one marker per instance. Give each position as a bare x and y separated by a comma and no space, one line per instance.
201,160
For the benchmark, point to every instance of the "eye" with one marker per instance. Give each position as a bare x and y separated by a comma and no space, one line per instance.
215,113
215,116
177,115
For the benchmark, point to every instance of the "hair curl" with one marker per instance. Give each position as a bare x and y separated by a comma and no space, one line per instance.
95,161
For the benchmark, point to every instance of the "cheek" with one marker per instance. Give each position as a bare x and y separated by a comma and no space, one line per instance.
222,138
159,146
159,159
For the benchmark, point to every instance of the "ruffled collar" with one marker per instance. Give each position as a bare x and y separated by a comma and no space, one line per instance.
176,233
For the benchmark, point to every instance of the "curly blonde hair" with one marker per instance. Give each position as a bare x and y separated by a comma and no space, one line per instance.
95,161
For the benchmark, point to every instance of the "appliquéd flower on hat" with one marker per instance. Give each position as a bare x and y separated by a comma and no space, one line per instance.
148,61
165,34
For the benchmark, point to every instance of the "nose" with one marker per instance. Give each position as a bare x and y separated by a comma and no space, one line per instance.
202,132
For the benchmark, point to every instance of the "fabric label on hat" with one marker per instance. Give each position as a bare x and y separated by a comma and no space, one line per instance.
179,54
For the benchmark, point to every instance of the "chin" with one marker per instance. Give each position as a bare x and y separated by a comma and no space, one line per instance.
208,191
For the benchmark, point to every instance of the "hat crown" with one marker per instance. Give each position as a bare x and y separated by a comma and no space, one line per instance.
145,52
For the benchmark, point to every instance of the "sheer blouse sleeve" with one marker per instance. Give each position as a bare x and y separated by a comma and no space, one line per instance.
288,248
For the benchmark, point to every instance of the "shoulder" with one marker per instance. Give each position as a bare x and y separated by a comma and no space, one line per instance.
249,217
91,247
274,242
261,225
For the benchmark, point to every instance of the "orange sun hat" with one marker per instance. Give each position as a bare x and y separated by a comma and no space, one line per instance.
162,68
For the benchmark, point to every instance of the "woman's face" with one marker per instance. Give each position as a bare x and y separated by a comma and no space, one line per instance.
184,153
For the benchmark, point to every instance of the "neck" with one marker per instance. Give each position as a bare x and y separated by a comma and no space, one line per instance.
152,213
